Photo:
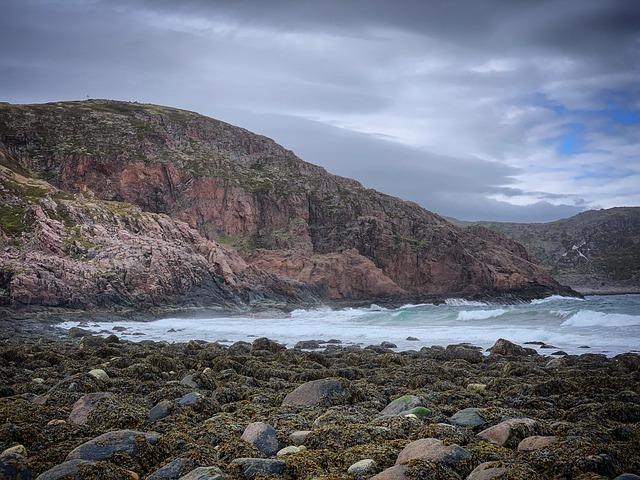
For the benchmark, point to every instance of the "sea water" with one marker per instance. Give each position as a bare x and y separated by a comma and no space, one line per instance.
605,324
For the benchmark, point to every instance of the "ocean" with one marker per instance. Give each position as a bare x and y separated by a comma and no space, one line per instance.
605,324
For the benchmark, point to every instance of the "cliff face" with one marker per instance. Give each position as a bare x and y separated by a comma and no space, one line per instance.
594,251
280,214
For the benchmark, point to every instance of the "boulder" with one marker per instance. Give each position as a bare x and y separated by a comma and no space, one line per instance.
262,436
509,349
401,405
502,433
486,471
173,470
14,466
16,449
188,381
160,410
203,473
388,345
363,468
66,470
85,405
397,472
412,339
536,442
627,476
253,467
190,399
110,443
291,449
467,417
307,344
316,392
432,450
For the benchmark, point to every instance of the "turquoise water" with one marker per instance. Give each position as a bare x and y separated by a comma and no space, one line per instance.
607,324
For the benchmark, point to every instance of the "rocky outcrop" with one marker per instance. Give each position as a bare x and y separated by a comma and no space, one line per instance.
253,213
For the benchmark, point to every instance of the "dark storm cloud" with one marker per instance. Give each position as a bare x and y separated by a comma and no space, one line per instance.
461,106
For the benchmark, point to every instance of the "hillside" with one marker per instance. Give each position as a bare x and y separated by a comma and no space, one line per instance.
247,196
594,251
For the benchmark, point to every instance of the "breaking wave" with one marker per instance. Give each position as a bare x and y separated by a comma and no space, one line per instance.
480,314
461,302
590,318
554,298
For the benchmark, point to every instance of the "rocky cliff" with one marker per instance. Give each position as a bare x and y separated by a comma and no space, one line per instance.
594,251
250,203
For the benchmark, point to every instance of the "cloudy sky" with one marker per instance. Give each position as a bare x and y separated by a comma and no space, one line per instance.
517,110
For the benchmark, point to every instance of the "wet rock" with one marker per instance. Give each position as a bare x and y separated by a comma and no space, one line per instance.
308,344
509,349
363,468
239,348
204,473
316,392
110,443
401,405
173,470
99,374
77,332
388,345
468,417
299,437
487,471
268,345
535,442
253,467
627,476
14,466
262,436
160,410
432,450
85,405
502,433
412,339
188,381
397,472
560,353
291,449
66,470
190,399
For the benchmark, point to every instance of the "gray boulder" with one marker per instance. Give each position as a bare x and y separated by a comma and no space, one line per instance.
14,466
66,470
509,349
432,450
203,473
110,443
468,417
316,392
363,468
262,436
160,410
401,405
190,399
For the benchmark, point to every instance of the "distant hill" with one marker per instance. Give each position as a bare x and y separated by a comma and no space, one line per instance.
594,251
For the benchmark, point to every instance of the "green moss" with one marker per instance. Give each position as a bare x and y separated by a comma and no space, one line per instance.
14,220
247,243
420,412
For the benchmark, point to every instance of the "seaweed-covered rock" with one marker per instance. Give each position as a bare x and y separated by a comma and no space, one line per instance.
262,436
254,467
268,345
14,466
204,473
173,470
509,349
401,405
85,405
316,392
110,443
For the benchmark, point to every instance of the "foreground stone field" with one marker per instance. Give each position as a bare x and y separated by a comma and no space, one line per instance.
88,407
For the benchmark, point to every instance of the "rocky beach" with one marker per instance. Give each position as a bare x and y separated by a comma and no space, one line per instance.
80,406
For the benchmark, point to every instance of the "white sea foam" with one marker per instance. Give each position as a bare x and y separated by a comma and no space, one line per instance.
480,314
554,298
590,318
461,302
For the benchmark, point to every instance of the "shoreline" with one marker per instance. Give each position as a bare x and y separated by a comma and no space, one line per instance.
195,404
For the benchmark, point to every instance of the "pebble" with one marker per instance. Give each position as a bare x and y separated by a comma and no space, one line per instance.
291,449
477,387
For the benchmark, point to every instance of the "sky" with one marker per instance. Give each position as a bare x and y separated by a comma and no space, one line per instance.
509,110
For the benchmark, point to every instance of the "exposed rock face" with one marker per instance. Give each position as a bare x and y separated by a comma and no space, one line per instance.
284,216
